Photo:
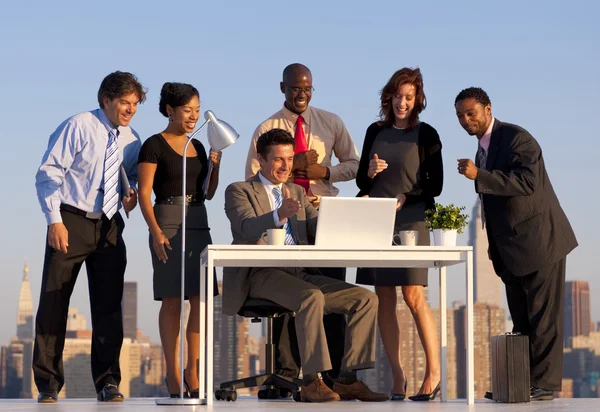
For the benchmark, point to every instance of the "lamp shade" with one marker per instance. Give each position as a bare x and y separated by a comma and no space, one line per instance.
220,134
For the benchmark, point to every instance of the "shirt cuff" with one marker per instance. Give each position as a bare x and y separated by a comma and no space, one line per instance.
133,185
53,217
334,174
276,219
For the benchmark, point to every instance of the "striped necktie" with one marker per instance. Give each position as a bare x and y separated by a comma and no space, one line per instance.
482,155
111,177
289,237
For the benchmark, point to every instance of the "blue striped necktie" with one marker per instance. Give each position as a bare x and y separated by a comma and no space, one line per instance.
111,177
289,237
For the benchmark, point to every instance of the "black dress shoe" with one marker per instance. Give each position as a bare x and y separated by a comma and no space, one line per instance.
110,393
48,397
489,395
539,394
426,396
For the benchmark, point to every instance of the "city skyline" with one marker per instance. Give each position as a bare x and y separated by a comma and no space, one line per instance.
237,354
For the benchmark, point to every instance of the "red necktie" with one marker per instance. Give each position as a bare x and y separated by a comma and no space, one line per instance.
300,147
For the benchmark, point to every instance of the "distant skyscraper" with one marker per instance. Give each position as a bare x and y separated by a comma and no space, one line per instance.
75,320
413,357
489,321
76,361
3,370
130,310
230,350
25,310
577,310
14,369
487,285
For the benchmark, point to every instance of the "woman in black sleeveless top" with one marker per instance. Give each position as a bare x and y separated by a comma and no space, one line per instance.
402,159
160,170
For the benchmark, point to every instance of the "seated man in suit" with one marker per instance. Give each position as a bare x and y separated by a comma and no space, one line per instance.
267,202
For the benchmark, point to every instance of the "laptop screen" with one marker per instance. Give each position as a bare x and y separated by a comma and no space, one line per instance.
355,222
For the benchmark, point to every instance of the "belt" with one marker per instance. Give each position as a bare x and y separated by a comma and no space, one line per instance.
88,215
178,200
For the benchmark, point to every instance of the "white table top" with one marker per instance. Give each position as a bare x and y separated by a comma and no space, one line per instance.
313,256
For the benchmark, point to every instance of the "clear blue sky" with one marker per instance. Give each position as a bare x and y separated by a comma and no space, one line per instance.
538,60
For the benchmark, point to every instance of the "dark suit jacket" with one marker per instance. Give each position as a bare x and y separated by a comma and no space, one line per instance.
526,226
249,211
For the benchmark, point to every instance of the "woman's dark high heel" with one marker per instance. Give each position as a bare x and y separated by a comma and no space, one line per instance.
192,393
426,396
400,396
176,395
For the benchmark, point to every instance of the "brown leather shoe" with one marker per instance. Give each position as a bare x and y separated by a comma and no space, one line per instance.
358,390
317,391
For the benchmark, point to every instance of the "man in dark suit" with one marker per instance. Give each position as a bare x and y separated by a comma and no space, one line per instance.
268,202
528,232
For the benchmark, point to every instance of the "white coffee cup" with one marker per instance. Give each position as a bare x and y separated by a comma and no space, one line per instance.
407,238
274,237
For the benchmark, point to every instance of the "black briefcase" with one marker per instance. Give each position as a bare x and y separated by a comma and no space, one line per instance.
510,368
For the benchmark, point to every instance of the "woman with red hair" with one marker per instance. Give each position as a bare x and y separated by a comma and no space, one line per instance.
402,158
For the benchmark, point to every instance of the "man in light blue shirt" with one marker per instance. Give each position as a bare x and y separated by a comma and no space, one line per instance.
88,172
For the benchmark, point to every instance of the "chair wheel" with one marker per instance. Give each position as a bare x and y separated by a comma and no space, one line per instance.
262,394
272,393
284,393
226,395
296,396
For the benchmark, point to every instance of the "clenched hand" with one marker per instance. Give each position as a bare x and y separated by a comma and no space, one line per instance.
58,236
289,206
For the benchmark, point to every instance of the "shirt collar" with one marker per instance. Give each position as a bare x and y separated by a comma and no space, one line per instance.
292,117
107,123
268,184
484,142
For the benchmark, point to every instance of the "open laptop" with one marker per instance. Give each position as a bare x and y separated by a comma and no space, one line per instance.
355,222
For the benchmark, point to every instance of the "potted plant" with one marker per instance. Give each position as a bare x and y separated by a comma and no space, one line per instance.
446,222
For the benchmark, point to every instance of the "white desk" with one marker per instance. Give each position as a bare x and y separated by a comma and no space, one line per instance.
310,256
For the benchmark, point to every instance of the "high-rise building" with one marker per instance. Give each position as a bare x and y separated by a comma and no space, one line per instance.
14,369
131,362
487,286
25,310
28,388
413,356
76,363
489,321
577,310
254,349
153,371
75,320
3,370
130,310
230,350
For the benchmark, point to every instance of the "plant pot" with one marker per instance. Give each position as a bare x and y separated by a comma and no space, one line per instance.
444,237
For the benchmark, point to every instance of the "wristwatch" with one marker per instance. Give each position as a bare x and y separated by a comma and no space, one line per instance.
327,173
